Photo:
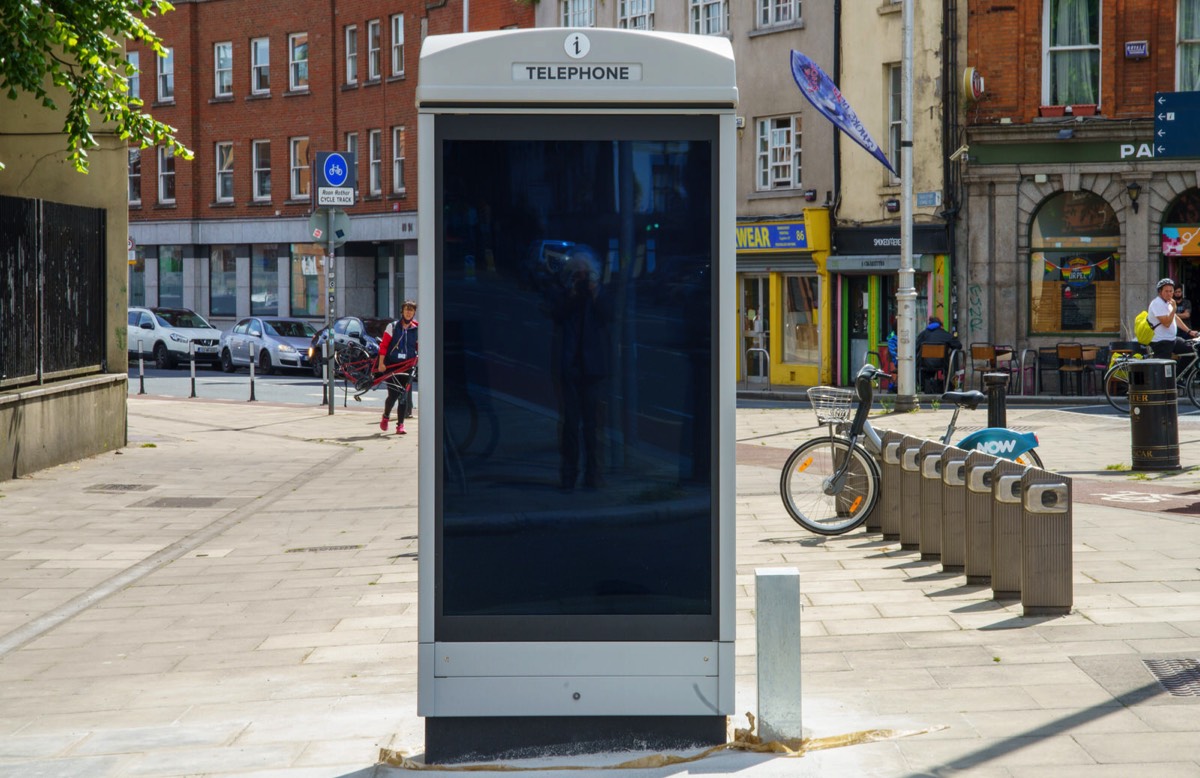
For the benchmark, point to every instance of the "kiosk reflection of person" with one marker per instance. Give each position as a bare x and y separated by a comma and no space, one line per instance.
582,315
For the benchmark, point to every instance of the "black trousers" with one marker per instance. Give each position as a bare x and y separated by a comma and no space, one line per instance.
396,388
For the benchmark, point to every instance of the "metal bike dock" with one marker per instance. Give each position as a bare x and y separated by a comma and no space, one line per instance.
1006,529
910,493
889,497
977,535
954,508
1046,565
930,457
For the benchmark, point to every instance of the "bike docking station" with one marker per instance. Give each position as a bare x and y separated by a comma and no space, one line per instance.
576,573
930,543
889,489
910,493
954,508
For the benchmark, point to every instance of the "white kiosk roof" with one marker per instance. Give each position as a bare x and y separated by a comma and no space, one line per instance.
585,67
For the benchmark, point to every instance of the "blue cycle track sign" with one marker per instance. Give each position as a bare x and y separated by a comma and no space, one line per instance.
336,178
1176,116
336,170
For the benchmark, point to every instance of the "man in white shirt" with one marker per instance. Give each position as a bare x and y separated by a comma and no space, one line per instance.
1167,324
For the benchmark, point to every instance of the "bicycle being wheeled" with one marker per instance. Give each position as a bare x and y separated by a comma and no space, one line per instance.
1116,378
830,484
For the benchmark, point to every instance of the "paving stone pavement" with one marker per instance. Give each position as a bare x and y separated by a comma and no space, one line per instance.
250,610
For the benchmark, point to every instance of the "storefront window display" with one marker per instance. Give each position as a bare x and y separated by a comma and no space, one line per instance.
1075,280
308,279
264,280
1181,240
137,277
222,284
800,299
170,276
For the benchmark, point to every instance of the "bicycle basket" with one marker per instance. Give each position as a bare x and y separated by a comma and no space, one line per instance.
832,404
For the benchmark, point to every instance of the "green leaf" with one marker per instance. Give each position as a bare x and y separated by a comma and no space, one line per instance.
78,46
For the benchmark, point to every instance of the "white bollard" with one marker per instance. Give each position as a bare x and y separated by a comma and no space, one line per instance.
777,631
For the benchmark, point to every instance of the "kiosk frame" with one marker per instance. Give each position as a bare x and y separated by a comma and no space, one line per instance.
499,683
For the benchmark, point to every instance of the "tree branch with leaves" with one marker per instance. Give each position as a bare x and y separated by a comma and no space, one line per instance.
78,47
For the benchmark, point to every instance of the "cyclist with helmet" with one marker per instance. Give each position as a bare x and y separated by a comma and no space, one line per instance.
1167,324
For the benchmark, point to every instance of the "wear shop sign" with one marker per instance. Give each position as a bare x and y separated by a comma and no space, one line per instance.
772,236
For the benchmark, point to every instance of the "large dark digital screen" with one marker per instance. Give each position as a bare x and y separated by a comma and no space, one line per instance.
576,376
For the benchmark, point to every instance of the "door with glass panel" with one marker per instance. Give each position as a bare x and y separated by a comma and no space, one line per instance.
755,323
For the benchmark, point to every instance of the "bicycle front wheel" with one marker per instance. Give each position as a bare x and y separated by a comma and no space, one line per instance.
1191,380
1116,387
808,496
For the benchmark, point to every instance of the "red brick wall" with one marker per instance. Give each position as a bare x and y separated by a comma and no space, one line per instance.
1004,42
325,113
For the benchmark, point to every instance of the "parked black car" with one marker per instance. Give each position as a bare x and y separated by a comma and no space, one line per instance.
365,332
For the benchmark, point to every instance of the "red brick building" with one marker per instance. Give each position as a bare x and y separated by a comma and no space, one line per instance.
255,89
1075,207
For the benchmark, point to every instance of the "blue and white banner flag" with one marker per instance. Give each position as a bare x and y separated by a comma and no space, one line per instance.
827,98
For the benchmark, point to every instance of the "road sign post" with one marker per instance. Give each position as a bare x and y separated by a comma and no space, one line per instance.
336,179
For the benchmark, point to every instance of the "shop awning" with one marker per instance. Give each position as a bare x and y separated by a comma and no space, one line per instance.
802,263
876,264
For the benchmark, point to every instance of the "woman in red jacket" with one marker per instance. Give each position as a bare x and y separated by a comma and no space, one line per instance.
398,352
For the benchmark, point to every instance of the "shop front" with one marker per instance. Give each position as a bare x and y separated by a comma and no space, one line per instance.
783,301
864,275
1067,239
255,269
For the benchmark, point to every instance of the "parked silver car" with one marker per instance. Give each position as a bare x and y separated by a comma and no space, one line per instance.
273,341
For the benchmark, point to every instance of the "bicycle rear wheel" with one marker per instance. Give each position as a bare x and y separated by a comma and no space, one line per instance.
1030,457
1116,387
802,486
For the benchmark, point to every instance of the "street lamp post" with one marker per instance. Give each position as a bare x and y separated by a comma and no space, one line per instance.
906,295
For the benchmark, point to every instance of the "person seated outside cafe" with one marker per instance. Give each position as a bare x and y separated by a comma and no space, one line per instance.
932,372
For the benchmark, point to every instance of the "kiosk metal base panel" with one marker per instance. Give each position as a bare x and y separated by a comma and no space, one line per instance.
486,738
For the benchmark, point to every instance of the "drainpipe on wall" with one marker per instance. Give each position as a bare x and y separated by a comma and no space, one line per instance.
837,136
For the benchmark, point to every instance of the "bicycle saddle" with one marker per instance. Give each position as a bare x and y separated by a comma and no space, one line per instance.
969,400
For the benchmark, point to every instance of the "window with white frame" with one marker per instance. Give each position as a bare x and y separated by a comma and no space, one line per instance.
223,69
351,54
895,95
261,162
635,14
398,159
166,176
224,172
133,74
352,147
578,13
1072,42
375,149
135,176
774,13
1187,69
398,45
260,66
373,63
166,76
779,153
298,162
709,17
298,61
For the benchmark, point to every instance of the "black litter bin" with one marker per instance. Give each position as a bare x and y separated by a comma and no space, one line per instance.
1154,414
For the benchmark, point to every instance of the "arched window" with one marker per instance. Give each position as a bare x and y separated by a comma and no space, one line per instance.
1075,278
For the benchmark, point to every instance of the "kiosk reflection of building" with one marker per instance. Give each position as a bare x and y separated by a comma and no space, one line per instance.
864,274
783,300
